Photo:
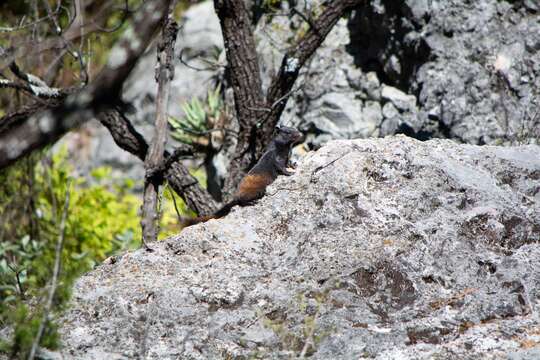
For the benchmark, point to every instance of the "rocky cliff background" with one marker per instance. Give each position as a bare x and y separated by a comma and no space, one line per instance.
468,71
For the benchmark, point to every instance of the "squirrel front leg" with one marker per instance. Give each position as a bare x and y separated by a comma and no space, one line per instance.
283,170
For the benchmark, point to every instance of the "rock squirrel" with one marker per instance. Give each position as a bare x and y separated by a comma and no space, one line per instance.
272,163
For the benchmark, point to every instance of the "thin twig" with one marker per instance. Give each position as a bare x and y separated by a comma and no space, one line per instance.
175,205
306,19
68,45
212,66
56,274
125,15
22,26
276,103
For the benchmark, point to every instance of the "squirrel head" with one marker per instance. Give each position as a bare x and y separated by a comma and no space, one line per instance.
286,135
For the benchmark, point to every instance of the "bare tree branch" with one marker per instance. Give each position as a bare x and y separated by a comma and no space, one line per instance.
185,185
154,157
37,91
72,32
104,93
298,55
123,133
55,276
242,59
245,78
178,177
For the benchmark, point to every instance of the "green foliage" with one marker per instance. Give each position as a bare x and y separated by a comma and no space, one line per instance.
271,5
99,213
26,326
199,118
102,220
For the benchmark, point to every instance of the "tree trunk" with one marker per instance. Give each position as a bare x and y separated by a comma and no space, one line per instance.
246,82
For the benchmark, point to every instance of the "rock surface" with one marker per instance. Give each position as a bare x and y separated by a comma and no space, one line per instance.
464,70
384,248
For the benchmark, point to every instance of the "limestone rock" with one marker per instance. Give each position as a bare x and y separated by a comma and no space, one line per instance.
383,248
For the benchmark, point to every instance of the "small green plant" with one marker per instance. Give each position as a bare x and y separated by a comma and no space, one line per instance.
199,119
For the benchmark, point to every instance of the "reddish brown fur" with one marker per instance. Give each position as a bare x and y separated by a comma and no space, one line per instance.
252,186
196,220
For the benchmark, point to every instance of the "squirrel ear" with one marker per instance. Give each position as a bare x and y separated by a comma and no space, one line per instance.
278,127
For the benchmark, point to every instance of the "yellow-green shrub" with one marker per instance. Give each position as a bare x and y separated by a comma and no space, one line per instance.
102,219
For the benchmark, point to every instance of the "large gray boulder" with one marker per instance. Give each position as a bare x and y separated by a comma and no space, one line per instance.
383,248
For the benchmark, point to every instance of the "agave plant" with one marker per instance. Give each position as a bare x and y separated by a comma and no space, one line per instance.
199,119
